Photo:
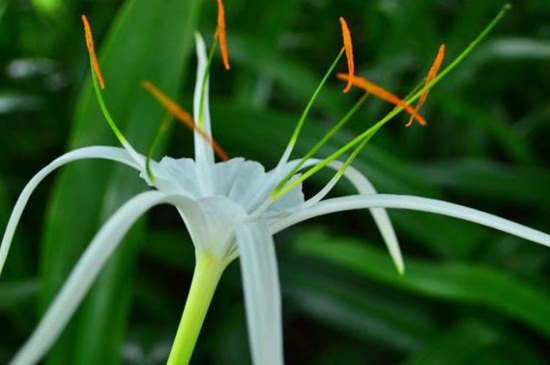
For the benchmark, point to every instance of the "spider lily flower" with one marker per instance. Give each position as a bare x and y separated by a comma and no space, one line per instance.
231,209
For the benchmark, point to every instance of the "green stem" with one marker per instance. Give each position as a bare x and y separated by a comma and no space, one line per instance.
208,271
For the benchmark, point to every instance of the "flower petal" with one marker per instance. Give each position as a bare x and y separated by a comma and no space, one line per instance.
203,150
380,216
220,215
363,186
84,273
204,153
413,203
262,292
108,153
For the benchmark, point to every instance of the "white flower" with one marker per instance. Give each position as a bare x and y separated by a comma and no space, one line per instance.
232,209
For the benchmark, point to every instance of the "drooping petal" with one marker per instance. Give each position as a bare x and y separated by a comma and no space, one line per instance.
380,216
363,186
83,275
413,203
262,292
100,152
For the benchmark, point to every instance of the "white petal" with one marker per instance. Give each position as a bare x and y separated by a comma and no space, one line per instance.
220,215
109,153
82,276
262,292
261,202
175,176
412,203
239,179
242,181
363,186
203,151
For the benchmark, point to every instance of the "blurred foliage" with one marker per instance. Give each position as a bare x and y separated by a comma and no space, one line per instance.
470,295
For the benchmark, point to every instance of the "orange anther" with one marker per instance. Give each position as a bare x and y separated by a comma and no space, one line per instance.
91,51
184,117
220,33
431,75
381,93
349,51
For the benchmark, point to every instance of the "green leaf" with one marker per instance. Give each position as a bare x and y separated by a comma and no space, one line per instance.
269,26
475,285
353,309
456,346
492,181
14,293
146,41
517,49
475,341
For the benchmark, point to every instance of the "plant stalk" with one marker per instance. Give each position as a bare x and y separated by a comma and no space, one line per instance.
206,276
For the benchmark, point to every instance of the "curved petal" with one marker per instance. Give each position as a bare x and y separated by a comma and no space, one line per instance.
102,152
380,216
413,203
262,292
83,275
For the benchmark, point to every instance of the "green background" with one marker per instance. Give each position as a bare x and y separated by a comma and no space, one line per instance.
470,295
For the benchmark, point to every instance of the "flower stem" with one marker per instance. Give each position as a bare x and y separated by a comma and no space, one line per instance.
208,271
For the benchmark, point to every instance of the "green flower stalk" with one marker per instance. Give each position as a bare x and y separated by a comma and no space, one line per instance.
233,208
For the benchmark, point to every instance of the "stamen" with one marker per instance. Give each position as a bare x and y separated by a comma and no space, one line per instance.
91,51
183,117
382,94
98,85
359,141
349,51
431,75
220,33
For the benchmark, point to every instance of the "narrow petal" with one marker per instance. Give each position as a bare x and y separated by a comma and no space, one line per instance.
201,108
413,203
381,93
204,154
83,275
348,47
100,152
262,292
363,186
